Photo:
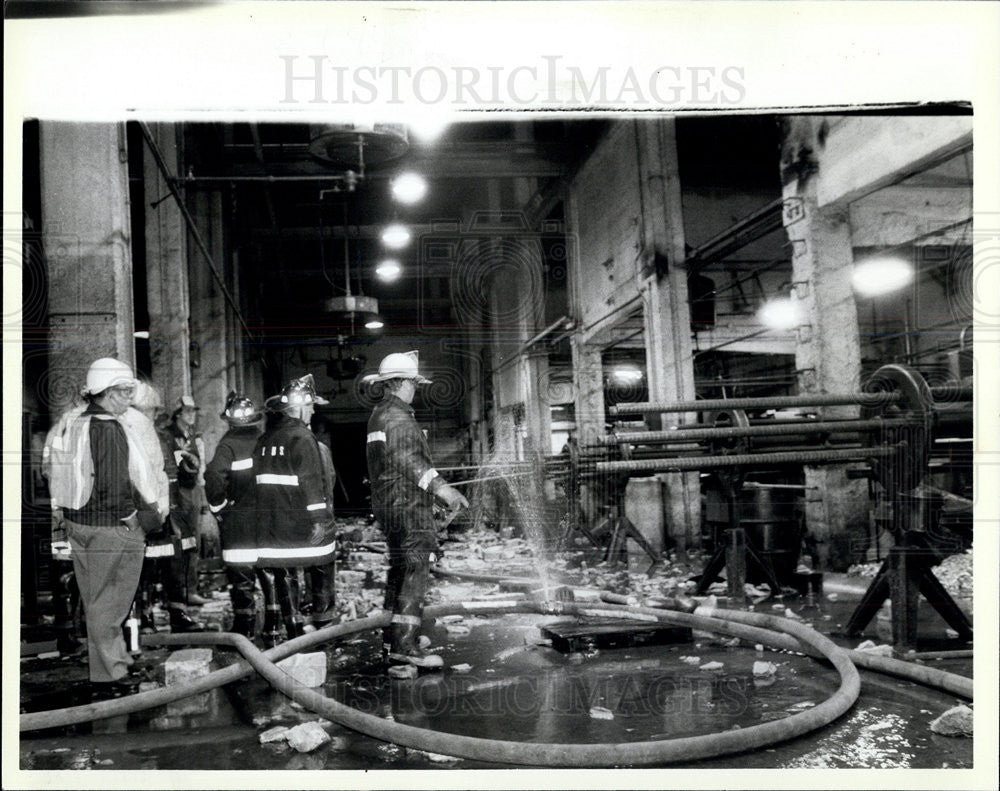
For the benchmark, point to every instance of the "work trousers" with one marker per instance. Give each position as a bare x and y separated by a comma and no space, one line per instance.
411,538
107,561
182,573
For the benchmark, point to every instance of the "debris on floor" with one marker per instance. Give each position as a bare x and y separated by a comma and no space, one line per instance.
307,737
308,670
956,721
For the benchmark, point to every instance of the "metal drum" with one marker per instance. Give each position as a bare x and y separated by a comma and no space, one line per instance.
772,521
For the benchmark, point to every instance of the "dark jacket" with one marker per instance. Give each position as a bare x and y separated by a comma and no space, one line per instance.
230,491
403,479
185,472
229,477
295,518
114,496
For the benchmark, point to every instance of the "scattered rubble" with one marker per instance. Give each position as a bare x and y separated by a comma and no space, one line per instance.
309,670
870,647
601,713
277,734
764,669
307,737
711,666
956,721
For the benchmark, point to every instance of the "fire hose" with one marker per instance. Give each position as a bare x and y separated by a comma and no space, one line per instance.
770,630
762,628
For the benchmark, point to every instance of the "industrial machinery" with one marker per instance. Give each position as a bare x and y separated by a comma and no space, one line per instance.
906,428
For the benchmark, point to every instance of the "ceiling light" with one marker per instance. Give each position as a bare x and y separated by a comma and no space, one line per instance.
428,128
142,334
626,374
780,314
396,236
374,323
881,276
409,187
389,270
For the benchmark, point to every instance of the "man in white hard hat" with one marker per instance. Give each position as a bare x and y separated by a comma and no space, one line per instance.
105,489
404,487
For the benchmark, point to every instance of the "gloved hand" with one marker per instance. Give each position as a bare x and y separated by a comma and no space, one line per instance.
321,534
453,499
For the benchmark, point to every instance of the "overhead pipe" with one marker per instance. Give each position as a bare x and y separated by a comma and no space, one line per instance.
778,429
944,392
745,460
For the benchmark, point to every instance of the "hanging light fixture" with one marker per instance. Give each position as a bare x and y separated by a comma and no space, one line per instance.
389,270
350,305
396,236
409,187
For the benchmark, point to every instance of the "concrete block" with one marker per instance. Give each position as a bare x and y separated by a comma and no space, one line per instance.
956,721
307,737
764,669
309,670
187,665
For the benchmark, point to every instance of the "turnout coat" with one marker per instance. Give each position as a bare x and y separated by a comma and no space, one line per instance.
295,516
403,479
229,489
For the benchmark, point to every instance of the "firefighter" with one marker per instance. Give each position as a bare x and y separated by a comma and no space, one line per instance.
293,508
404,487
229,488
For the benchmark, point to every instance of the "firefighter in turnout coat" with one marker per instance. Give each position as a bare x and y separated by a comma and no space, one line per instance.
295,516
404,487
229,488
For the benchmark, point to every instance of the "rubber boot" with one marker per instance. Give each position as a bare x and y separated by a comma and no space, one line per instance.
271,631
409,607
287,585
180,621
193,597
241,593
65,594
145,594
323,595
393,585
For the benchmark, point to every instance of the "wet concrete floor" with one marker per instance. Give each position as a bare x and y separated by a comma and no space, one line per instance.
518,691
524,694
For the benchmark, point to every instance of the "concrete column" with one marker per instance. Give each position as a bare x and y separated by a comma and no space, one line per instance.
588,384
666,312
827,349
211,325
166,273
85,217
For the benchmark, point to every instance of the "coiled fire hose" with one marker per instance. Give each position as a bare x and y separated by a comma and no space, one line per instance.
767,629
754,626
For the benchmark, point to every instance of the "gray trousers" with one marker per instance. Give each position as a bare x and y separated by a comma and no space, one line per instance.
107,560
